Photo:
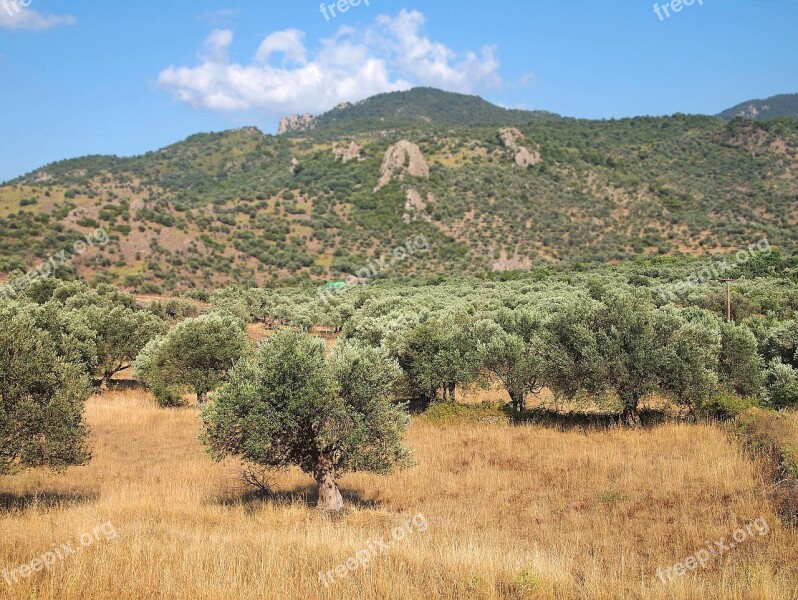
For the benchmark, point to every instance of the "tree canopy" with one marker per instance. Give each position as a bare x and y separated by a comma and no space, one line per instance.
290,404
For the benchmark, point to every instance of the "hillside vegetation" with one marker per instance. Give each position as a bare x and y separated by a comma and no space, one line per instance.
240,206
783,105
419,107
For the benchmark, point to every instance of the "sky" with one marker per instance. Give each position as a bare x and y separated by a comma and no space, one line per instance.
111,77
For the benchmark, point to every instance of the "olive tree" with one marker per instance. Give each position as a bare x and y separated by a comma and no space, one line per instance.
740,367
196,354
782,386
73,338
782,344
436,354
622,344
291,404
119,335
42,395
513,352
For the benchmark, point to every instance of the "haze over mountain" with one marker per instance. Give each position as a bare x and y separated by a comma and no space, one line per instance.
489,188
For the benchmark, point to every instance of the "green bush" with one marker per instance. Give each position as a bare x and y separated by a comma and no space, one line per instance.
449,413
293,405
726,405
42,394
782,386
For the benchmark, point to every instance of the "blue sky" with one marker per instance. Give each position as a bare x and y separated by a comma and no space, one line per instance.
100,77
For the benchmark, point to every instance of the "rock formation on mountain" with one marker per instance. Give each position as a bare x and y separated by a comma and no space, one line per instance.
510,138
294,123
347,154
403,158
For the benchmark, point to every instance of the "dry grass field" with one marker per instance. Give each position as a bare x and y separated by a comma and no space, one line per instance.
512,512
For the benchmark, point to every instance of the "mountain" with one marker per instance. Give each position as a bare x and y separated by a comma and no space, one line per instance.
245,207
783,105
416,107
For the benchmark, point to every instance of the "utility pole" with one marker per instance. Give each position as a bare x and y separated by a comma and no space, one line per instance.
728,283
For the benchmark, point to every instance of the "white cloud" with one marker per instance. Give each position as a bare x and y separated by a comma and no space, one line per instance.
289,42
285,76
15,15
214,50
433,63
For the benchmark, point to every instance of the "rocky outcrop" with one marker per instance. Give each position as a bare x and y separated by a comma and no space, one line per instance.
347,154
510,138
510,263
414,201
296,123
525,158
401,159
752,111
415,206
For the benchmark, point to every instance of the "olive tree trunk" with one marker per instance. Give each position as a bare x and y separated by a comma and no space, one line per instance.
452,397
330,499
631,416
518,400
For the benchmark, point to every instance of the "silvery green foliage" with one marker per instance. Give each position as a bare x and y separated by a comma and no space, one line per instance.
196,355
625,345
103,327
233,301
436,355
512,349
119,334
739,366
42,394
782,344
291,404
782,386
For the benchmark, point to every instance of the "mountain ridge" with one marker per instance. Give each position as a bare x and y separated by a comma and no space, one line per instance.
242,206
781,105
420,105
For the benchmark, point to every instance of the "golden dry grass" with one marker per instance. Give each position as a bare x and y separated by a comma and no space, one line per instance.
513,512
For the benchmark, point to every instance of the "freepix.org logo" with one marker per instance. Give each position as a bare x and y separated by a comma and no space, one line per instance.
12,7
664,11
342,6
12,288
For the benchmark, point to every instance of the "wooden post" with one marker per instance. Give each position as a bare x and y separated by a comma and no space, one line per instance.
728,299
